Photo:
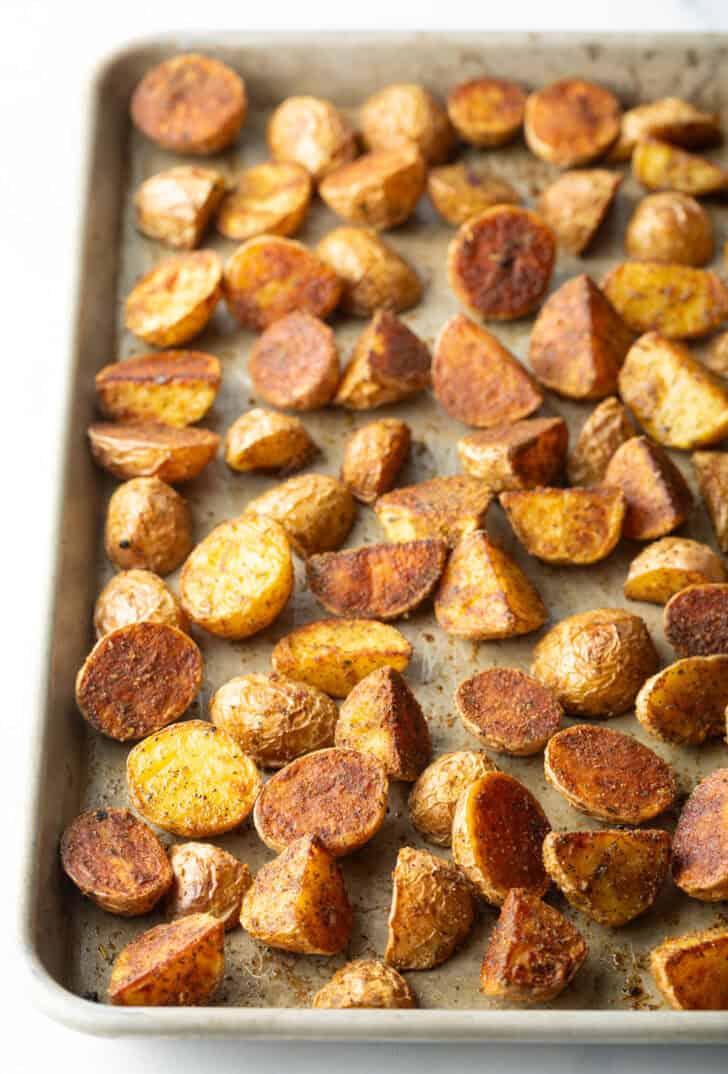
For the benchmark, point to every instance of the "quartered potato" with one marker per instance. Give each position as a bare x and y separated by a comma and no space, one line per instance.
373,274
335,654
136,596
365,983
497,832
382,717
658,498
266,440
484,595
595,662
152,450
432,911
500,262
686,702
609,775
377,581
176,205
207,880
175,965
477,380
192,779
175,388
571,122
116,861
269,199
678,122
576,203
520,455
667,566
316,511
379,190
176,299
606,429
700,845
389,363
239,578
711,471
533,952
435,794
295,363
658,165
373,457
311,132
611,876
460,191
403,115
445,507
508,711
148,525
269,276
298,902
670,227
692,971
579,341
679,301
567,526
487,111
337,795
274,719
696,620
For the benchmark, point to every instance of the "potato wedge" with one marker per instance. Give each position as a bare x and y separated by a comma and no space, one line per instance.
192,779
365,983
700,845
686,702
595,662
298,902
373,457
316,511
609,775
265,440
484,595
175,388
487,111
508,711
696,620
670,227
175,300
521,455
136,596
176,205
379,190
382,717
148,525
497,832
239,578
175,965
611,876
606,429
690,970
116,861
207,880
337,795
679,301
274,719
373,274
660,166
500,262
657,495
678,122
404,115
571,122
269,199
269,276
567,526
389,363
444,507
432,911
377,581
335,654
667,566
711,471
295,363
312,132
435,793
575,204
151,450
466,189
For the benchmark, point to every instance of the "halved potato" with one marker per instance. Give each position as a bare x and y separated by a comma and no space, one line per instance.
269,199
338,795
207,880
696,620
487,111
175,206
116,861
175,388
463,190
406,114
148,525
711,471
192,779
700,845
312,132
571,122
265,440
521,455
609,775
679,301
436,791
667,566
692,971
606,429
175,300
389,363
295,363
658,498
373,457
151,450
567,526
576,203
658,165
445,507
379,190
136,596
670,227
365,983
315,510
671,118
686,702
373,274
508,711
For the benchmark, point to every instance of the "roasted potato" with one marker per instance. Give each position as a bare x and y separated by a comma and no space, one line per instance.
190,104
609,775
658,498
207,880
690,970
175,388
315,510
311,132
377,581
711,471
295,363
696,620
521,455
671,118
338,795
435,793
379,190
269,276
265,440
116,861
595,662
373,275
444,507
667,566
571,122
152,450
175,206
679,301
176,299
389,363
575,204
335,654
579,341
497,832
365,983
487,111
269,199
484,595
670,227
567,526
700,845
611,876
274,719
373,457
192,779
298,902
717,356
239,578
606,429
175,965
533,952
686,702
136,596
404,115
432,911
381,716
508,711
500,262
660,166
463,190
148,525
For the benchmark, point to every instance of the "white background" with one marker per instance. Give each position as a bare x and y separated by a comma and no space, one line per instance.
47,49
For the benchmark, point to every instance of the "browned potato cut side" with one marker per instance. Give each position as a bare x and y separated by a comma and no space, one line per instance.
269,199
606,429
404,115
686,702
679,301
692,971
176,205
576,203
670,227
315,511
700,845
487,111
508,711
571,122
367,984
152,450
265,440
711,471
373,457
660,166
466,189
175,300
295,363
444,507
567,526
207,880
658,498
389,363
148,525
671,118
373,274
175,388
667,566
311,132
435,794
524,454
379,190
136,596
696,620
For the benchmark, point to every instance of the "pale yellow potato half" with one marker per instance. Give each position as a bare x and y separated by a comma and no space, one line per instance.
657,165
175,300
665,567
174,388
679,301
686,702
268,199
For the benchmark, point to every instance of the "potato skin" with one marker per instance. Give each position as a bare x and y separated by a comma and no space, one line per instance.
295,363
405,114
508,711
175,388
373,457
567,526
521,455
576,203
389,363
606,429
696,620
379,190
460,191
206,880
657,165
667,566
434,794
571,122
686,702
152,450
175,300
266,440
316,511
671,118
690,970
679,301
148,525
670,227
700,847
373,275
365,983
175,206
116,861
313,133
268,199
443,507
711,471
136,596
657,495
487,111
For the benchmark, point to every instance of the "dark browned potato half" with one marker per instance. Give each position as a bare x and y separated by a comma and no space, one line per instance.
373,457
700,846
711,471
690,971
657,495
444,507
508,711
518,455
487,111
294,364
571,122
566,526
696,620
389,363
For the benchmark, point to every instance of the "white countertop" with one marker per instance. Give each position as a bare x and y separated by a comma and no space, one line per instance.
47,49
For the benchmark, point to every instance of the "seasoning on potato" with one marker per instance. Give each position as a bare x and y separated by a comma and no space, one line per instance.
373,457
686,702
175,300
116,861
696,620
435,793
148,525
266,440
700,844
365,983
389,364
571,122
175,388
405,114
295,363
465,189
566,526
152,450
206,880
606,429
373,275
136,596
665,567
316,511
679,301
444,507
576,203
670,227
657,495
487,112
660,166
176,205
711,471
508,711
379,190
311,132
520,455
690,970
269,199
676,121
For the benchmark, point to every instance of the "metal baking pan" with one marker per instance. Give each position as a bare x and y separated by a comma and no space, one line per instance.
68,942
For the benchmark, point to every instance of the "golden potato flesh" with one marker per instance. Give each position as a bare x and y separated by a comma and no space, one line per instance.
313,133
571,122
606,429
692,971
484,595
315,510
711,471
576,203
365,983
381,716
176,299
373,457
463,190
266,440
670,227
487,111
567,526
696,620
373,275
335,654
717,356
207,880
175,206
239,578
679,301
136,596
148,525
192,779
379,190
609,775
175,965
405,114
116,861
667,566
268,199
274,719
660,166
175,388
295,363
533,952
508,711
686,702
658,498
611,876
700,844
678,122
152,450
444,507
521,455
389,363
436,791
432,911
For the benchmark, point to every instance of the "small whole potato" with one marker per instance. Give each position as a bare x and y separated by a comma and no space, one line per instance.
206,880
406,114
373,457
435,793
460,191
316,511
366,983
269,199
175,206
148,525
294,364
373,274
266,440
137,596
379,190
313,133
176,299
670,227
152,450
487,111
